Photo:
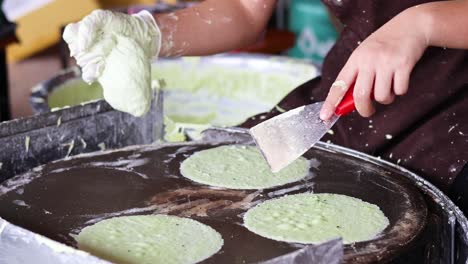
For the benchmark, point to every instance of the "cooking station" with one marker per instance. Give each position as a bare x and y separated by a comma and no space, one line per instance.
70,168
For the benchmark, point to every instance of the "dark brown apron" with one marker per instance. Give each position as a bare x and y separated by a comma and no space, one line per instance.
426,130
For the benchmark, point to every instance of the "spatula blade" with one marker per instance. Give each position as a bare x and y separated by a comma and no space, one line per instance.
286,137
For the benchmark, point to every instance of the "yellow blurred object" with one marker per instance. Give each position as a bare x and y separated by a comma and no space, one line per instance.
121,3
41,28
169,1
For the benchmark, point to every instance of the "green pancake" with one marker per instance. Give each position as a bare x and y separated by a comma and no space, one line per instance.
149,239
239,167
316,218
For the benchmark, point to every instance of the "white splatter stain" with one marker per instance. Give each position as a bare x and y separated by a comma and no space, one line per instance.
226,20
452,128
339,84
70,146
102,146
83,143
279,109
26,143
173,16
20,203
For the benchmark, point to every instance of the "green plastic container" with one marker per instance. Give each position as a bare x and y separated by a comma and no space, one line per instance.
315,34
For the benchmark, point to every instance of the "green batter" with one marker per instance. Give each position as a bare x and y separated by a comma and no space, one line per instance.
199,95
222,80
316,218
239,167
74,92
149,239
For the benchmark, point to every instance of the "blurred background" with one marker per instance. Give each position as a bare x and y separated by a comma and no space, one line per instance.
32,51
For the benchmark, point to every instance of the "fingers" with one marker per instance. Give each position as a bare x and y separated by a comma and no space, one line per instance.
370,84
338,89
91,71
70,31
401,82
69,35
92,26
379,68
383,92
363,92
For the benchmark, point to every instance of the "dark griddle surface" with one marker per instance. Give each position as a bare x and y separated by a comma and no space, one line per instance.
67,195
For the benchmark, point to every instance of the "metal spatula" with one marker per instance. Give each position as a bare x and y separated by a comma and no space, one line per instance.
286,137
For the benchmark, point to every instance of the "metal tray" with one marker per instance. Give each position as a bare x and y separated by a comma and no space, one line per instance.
87,189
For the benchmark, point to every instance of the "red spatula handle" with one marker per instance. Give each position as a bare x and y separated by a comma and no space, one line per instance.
346,105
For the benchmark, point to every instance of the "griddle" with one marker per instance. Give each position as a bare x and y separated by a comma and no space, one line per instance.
60,198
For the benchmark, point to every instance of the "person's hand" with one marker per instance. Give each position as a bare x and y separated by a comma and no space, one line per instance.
116,49
380,67
100,27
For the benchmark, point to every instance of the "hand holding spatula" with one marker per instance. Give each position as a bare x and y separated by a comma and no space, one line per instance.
286,137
